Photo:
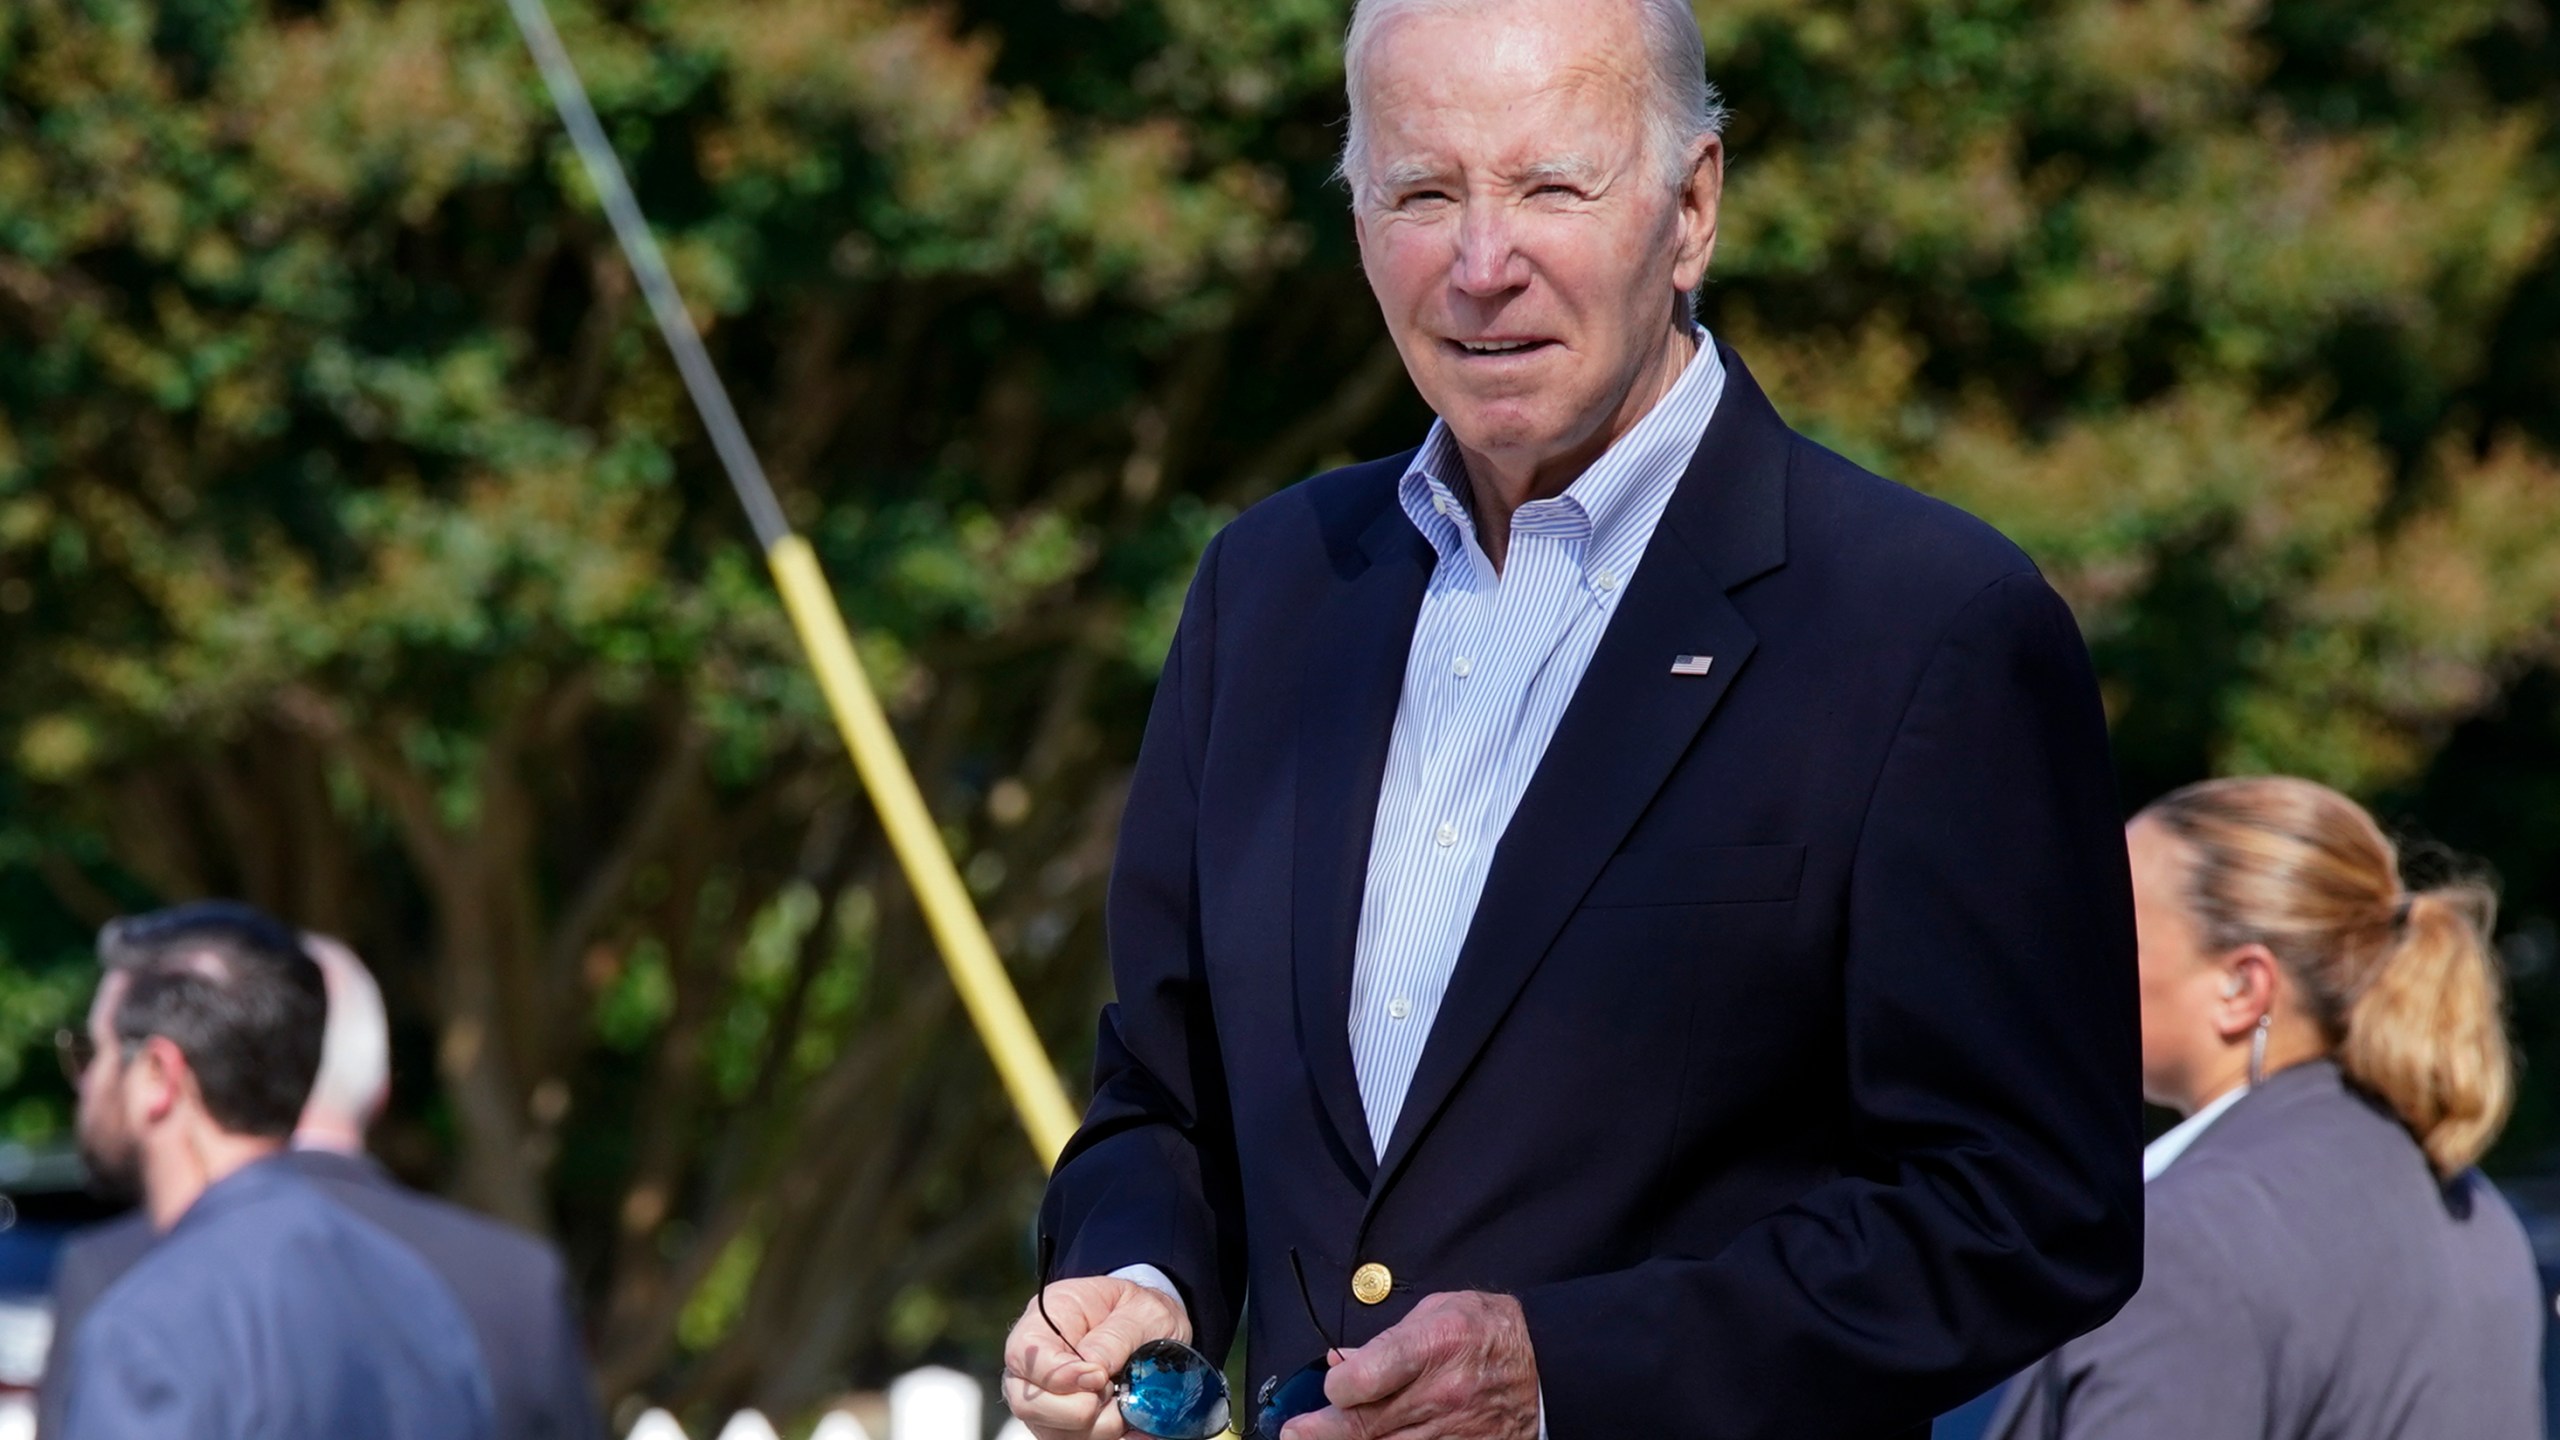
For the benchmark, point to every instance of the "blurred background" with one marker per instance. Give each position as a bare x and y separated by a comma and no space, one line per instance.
361,556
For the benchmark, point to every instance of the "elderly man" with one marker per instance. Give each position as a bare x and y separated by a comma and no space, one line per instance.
265,1312
1628,903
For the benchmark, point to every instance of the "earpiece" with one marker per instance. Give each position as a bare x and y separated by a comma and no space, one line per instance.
2233,985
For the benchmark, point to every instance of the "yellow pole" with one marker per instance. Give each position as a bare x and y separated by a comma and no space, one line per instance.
975,970
966,951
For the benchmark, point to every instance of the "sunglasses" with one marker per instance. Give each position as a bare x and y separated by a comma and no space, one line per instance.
1172,1392
77,1052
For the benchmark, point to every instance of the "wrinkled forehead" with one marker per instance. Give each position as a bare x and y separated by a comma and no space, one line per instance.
1502,88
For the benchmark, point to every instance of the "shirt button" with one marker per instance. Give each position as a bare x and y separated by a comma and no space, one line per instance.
1606,580
1447,835
1444,505
1462,667
1399,1008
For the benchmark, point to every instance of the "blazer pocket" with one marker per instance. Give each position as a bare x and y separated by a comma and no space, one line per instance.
1698,875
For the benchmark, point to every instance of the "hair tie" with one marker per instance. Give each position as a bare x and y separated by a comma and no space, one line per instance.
2400,911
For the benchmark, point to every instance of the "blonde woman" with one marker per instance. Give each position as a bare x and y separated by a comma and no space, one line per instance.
2320,1259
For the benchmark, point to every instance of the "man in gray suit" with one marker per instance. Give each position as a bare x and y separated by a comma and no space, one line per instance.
266,1310
511,1287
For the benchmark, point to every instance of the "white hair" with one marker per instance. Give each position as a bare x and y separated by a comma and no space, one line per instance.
355,1046
1685,107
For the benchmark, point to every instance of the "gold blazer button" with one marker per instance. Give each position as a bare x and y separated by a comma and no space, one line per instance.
1371,1282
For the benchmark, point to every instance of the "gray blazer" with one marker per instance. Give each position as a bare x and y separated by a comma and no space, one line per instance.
2306,1278
511,1287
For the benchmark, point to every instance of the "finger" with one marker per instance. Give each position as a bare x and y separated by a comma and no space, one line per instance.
1040,1359
1070,1376
1413,1410
1376,1370
1058,1374
1052,1414
1325,1424
1065,1311
1365,1422
1110,1344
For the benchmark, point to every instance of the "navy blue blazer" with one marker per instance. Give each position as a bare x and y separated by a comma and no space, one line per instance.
1789,1071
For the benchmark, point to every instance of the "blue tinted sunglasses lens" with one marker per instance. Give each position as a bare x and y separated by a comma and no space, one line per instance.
1172,1392
1282,1401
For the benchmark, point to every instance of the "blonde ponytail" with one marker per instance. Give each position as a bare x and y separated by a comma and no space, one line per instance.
2406,987
2426,1034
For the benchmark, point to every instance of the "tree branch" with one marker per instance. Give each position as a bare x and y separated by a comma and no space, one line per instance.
662,805
1361,397
402,791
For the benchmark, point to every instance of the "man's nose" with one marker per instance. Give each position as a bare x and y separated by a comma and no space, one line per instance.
1488,260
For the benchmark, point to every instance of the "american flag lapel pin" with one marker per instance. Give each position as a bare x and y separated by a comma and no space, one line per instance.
1691,664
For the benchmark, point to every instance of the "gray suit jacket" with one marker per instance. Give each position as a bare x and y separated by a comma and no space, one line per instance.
511,1287
270,1312
91,1261
2306,1278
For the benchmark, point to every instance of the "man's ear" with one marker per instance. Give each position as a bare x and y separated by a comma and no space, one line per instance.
2251,979
1701,200
163,1078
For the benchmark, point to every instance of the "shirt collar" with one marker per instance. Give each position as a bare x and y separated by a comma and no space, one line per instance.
1604,500
2160,1154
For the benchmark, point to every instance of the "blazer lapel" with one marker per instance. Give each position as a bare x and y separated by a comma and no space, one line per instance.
1353,683
1628,725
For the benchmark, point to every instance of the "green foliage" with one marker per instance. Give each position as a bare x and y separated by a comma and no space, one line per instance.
359,552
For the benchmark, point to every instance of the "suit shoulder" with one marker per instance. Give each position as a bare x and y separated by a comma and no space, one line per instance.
1337,506
2277,1184
203,1259
2206,1192
126,1235
103,1251
2493,1242
2477,1198
1890,535
530,1256
454,1236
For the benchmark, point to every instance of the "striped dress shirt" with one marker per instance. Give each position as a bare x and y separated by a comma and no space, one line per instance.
1496,658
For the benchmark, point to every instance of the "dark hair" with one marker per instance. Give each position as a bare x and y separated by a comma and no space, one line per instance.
233,989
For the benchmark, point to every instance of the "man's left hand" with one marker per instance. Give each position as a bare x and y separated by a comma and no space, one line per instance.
1458,1368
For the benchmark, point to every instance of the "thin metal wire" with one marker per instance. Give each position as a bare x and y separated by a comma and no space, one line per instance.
640,247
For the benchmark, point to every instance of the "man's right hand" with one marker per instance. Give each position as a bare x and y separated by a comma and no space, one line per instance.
1058,1395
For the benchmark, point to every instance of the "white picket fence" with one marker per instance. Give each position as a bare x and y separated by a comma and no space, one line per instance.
928,1404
